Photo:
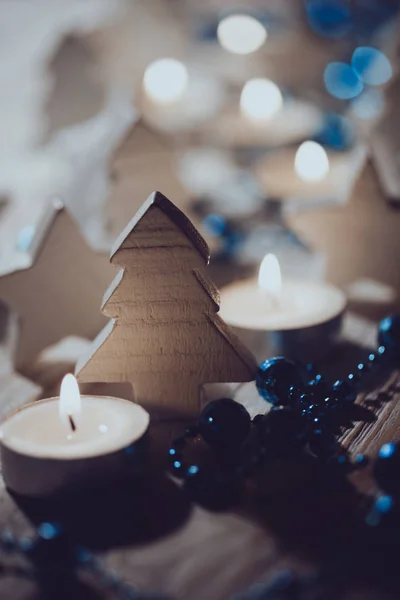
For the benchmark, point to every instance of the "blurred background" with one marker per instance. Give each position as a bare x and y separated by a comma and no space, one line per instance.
273,125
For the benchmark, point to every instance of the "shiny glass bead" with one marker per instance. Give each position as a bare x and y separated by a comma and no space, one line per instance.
52,546
318,387
323,443
224,422
387,468
362,368
344,391
177,468
274,379
283,429
381,353
294,395
306,400
389,333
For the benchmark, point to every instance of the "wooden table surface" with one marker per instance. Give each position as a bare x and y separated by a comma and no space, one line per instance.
292,513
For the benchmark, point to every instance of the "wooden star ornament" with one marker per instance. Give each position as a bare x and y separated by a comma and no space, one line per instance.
56,291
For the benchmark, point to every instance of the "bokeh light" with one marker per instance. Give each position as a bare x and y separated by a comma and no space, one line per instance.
342,81
261,99
214,224
371,65
337,132
329,18
165,80
241,34
311,162
369,105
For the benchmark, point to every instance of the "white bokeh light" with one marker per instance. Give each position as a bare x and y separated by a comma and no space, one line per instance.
260,100
241,34
165,80
269,275
311,162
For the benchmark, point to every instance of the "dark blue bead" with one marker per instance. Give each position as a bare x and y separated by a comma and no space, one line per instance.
274,379
387,468
305,401
330,403
224,422
362,368
384,504
352,379
389,334
8,541
360,461
50,531
381,352
318,387
177,468
283,429
344,391
323,443
294,395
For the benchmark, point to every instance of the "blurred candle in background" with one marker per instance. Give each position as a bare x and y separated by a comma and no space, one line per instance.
165,80
241,34
311,162
260,100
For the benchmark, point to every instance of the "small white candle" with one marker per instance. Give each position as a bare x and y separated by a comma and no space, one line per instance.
270,304
44,445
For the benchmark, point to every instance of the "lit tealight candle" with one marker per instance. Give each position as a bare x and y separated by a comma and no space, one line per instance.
70,442
165,80
241,34
260,100
311,162
291,317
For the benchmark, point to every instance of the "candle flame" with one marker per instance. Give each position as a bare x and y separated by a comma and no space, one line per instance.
70,404
269,275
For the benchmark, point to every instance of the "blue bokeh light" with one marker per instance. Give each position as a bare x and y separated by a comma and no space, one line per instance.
341,81
337,132
214,224
387,450
371,65
369,105
329,18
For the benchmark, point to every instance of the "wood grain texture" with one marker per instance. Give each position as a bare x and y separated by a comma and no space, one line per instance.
165,337
57,291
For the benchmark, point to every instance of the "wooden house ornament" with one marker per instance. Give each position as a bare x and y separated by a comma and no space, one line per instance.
56,289
165,337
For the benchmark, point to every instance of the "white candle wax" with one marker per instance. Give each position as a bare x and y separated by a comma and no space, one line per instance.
298,305
298,319
68,443
105,425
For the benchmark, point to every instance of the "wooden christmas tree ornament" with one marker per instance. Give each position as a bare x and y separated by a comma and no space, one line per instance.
165,337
